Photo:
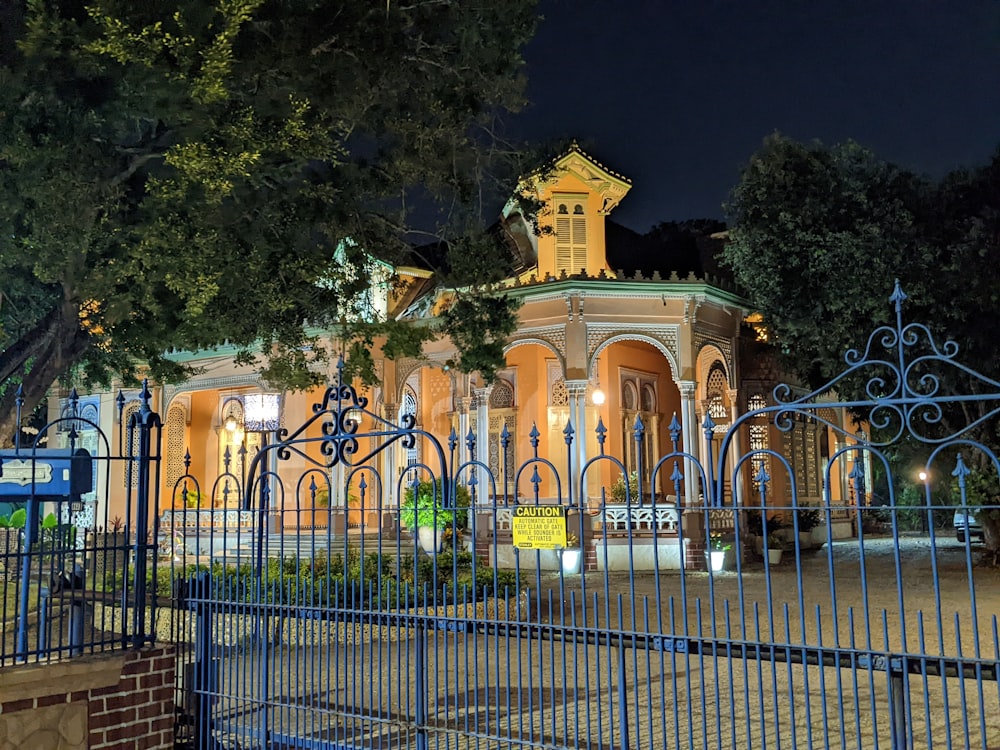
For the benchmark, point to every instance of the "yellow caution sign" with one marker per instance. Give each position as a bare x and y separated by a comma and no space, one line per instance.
539,526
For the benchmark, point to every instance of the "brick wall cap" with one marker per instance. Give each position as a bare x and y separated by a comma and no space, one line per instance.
84,673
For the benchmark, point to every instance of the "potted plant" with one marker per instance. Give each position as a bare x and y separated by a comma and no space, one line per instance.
424,513
775,546
719,553
571,557
618,493
807,520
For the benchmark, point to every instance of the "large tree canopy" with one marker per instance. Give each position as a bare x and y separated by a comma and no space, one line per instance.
179,174
818,236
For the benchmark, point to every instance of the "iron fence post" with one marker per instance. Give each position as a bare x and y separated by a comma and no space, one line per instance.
897,708
204,671
420,682
143,421
77,618
44,605
30,537
623,698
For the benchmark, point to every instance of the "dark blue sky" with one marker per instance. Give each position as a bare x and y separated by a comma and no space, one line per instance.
677,95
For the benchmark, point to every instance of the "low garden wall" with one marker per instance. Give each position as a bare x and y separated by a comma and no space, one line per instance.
104,702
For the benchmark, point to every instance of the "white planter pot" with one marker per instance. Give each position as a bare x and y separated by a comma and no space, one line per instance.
430,539
716,560
774,556
572,561
819,535
805,540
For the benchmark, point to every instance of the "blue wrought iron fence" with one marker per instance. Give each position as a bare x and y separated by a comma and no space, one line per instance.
76,551
478,613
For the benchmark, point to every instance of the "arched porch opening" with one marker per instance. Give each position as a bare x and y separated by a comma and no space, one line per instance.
641,397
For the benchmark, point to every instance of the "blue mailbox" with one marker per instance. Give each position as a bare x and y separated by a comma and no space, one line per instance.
47,475
52,473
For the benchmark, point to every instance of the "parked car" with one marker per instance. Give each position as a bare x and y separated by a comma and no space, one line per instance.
965,522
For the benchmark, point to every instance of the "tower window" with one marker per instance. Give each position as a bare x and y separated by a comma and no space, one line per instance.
571,236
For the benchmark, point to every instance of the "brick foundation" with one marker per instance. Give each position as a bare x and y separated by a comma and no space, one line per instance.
106,702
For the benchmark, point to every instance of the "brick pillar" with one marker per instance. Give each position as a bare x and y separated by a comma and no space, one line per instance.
484,537
587,540
694,539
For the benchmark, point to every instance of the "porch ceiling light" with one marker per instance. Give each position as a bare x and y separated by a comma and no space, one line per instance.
262,412
598,397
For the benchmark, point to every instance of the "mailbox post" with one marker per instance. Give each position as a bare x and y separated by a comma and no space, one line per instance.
30,478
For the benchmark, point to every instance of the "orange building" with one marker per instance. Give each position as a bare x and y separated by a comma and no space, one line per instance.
611,330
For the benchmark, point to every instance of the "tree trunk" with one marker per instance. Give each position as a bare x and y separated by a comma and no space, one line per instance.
40,357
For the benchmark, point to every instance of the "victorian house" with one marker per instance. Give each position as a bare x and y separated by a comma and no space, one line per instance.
614,330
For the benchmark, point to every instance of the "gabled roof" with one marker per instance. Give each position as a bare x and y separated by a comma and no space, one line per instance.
611,186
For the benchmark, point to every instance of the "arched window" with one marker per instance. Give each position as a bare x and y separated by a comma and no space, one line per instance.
758,440
638,400
716,390
629,398
501,415
502,396
648,398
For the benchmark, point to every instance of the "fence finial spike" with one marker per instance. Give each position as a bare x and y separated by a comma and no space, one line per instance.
898,295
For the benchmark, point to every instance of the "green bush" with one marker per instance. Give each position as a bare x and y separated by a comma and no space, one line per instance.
428,507
618,494
373,581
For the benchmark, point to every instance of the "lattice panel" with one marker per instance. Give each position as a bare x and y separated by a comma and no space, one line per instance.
176,443
502,396
131,478
560,394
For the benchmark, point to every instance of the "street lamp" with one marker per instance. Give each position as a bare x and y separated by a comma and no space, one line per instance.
924,476
262,414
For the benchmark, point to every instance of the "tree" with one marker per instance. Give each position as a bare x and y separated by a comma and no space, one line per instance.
818,236
179,174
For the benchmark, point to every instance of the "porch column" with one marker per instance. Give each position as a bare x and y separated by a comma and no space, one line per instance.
578,416
483,484
689,434
842,482
464,405
735,447
653,435
389,475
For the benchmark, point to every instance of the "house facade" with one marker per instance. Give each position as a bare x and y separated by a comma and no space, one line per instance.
613,331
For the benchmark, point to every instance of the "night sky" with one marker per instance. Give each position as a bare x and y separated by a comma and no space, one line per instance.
677,95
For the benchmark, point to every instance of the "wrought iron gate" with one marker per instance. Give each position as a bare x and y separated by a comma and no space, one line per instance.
337,627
